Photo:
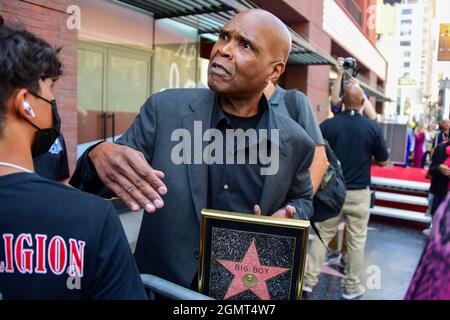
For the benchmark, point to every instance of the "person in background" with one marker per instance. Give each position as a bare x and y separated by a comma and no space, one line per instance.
410,144
440,174
419,146
355,140
54,164
442,134
431,281
429,139
307,120
336,100
337,107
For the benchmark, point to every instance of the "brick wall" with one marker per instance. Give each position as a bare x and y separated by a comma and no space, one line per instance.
47,19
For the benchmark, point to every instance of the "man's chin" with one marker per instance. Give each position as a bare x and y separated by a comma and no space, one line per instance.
218,87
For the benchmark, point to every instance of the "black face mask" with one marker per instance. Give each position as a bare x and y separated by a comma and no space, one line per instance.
46,137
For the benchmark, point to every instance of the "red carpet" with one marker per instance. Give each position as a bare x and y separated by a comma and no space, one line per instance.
400,173
410,174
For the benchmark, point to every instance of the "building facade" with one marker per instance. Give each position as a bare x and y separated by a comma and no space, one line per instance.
117,53
410,47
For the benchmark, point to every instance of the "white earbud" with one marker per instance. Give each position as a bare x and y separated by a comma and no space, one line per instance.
28,109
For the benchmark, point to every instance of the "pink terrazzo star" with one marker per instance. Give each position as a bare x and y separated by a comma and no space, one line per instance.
250,268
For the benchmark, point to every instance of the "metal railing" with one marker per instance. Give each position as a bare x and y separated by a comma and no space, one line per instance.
169,290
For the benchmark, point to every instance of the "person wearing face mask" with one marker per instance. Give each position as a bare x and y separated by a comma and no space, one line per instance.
55,242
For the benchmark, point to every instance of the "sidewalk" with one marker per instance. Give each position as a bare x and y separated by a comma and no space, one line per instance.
131,222
394,250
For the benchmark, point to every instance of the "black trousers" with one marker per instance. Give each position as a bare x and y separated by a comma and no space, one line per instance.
437,200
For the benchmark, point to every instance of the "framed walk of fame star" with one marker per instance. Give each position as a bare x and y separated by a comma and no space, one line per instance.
248,257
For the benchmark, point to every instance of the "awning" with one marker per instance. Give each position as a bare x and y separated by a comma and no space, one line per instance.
370,91
304,52
375,92
208,16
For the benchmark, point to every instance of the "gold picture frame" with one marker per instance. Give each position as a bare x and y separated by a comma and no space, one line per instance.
246,257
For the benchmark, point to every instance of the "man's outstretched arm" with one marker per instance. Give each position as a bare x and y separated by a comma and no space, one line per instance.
123,168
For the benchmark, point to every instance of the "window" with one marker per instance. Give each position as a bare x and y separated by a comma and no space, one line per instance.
406,22
111,79
128,80
405,43
117,79
90,77
407,54
406,33
406,11
406,64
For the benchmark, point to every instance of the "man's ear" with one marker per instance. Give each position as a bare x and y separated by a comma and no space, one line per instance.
21,105
277,71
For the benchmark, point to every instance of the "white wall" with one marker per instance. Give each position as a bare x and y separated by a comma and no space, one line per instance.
115,23
343,31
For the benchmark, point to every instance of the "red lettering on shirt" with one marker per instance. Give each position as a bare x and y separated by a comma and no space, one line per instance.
57,255
41,239
76,262
23,256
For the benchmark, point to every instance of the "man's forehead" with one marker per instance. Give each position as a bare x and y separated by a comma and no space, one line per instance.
248,29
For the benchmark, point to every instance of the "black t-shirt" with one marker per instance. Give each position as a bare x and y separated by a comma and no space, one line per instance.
53,164
234,186
59,243
355,139
244,123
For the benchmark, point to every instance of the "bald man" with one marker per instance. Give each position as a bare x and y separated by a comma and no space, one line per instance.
354,140
165,164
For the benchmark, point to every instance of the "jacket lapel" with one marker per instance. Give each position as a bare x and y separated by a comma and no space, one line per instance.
197,122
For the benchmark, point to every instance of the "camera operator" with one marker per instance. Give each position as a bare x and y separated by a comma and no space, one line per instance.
337,90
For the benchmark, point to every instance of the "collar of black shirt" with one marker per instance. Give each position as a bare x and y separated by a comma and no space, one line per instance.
218,116
351,112
267,120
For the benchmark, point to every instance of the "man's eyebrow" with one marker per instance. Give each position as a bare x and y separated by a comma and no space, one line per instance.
241,36
222,30
247,39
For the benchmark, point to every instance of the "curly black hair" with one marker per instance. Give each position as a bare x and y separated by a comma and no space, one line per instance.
24,59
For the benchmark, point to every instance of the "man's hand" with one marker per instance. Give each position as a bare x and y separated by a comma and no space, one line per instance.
353,82
288,212
126,172
340,66
444,169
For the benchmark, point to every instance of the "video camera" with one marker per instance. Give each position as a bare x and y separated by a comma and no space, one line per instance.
350,64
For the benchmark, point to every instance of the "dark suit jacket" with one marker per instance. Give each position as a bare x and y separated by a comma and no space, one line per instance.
439,182
168,241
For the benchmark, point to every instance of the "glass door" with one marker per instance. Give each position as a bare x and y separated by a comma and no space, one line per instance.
128,88
91,95
113,83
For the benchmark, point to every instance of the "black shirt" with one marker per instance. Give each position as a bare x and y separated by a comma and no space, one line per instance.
236,187
47,227
355,139
439,138
439,182
53,164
